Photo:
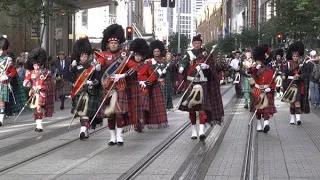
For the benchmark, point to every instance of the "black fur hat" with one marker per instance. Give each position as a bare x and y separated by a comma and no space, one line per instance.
197,38
296,47
113,32
279,52
259,52
37,56
4,43
139,46
157,45
81,46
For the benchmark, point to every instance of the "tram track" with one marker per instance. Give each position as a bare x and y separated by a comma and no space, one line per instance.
148,159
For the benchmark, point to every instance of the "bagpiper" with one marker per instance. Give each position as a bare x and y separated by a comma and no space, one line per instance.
151,108
86,90
12,97
263,91
297,83
42,92
119,84
280,67
246,63
204,95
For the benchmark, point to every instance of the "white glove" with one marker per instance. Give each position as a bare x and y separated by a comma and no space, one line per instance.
98,67
258,66
300,65
90,83
3,78
164,71
267,90
198,68
204,66
118,76
181,69
159,72
142,84
74,63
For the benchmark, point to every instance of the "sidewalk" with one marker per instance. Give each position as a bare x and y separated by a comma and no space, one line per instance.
290,151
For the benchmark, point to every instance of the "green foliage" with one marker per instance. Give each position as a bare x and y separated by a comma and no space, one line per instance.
173,43
226,44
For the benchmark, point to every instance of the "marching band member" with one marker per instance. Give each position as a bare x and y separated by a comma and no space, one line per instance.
87,106
151,108
297,94
121,89
42,89
280,66
235,68
12,97
204,95
263,91
245,65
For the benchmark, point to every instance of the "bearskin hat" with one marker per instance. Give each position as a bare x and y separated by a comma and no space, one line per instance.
296,47
259,52
157,45
139,46
279,52
81,46
4,43
36,56
197,38
113,32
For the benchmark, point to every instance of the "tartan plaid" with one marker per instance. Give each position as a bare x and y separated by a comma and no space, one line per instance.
19,94
168,89
94,101
65,89
212,100
157,115
271,109
4,96
245,85
48,101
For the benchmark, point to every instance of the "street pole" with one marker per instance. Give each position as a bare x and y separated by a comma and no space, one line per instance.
259,20
129,13
168,23
178,6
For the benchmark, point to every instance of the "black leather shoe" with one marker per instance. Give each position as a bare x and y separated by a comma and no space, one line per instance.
82,135
38,130
266,128
194,137
120,143
0,123
202,137
111,143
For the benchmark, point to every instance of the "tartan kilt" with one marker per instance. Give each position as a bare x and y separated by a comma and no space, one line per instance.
19,94
48,101
246,88
211,104
64,89
4,97
157,115
271,109
93,104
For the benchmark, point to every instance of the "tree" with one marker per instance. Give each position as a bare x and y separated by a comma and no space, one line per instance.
226,44
36,13
173,42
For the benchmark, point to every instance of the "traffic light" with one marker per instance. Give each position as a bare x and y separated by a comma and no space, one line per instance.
172,3
279,38
129,33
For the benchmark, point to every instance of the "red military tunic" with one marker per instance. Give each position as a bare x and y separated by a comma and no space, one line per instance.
264,79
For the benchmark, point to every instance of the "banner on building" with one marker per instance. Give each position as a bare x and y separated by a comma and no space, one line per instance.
254,13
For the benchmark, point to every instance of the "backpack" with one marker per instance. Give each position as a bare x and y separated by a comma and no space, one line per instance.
315,71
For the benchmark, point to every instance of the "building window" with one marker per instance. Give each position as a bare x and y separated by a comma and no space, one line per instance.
85,18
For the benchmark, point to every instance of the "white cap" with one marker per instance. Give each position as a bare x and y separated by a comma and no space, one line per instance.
313,53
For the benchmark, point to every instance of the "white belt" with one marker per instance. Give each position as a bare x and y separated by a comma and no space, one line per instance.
196,79
261,86
160,79
290,77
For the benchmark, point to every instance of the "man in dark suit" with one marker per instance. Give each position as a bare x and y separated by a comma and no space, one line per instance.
63,78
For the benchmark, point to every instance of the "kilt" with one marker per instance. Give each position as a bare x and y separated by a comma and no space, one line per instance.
19,94
48,101
93,104
271,109
303,98
157,115
246,88
64,89
4,96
